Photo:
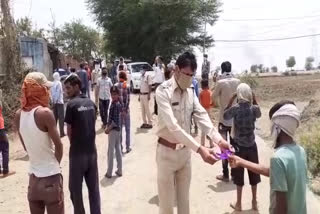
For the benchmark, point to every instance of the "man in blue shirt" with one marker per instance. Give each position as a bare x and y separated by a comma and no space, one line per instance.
84,79
195,84
113,130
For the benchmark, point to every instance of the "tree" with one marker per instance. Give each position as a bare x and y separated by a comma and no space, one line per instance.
144,29
24,27
261,68
218,69
274,69
267,70
80,41
254,68
309,63
291,62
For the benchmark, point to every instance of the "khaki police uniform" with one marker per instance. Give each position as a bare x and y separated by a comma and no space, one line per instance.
175,143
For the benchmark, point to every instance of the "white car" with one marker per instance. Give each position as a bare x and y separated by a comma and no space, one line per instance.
135,74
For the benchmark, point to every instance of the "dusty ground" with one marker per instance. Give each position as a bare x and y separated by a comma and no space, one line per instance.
136,191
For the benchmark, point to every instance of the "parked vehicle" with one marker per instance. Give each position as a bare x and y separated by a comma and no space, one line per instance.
134,70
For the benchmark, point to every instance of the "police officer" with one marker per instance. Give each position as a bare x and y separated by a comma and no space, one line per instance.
176,104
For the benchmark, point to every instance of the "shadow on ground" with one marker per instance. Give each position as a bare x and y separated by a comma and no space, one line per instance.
154,200
105,182
243,212
141,131
100,131
223,187
22,158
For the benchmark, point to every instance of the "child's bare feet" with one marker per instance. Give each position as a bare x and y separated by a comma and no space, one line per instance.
236,206
255,205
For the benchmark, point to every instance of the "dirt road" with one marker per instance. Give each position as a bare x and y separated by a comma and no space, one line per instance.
136,191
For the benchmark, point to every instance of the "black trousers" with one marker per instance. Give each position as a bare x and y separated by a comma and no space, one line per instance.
84,91
58,111
224,131
205,76
104,110
84,166
155,101
249,154
4,150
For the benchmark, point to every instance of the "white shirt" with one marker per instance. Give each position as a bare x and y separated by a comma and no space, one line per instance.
145,83
125,67
223,92
176,109
159,74
104,85
43,162
57,93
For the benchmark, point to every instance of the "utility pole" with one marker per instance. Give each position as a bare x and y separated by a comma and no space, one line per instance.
205,27
204,36
314,48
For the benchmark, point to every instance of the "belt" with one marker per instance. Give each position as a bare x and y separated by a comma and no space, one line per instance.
173,146
144,93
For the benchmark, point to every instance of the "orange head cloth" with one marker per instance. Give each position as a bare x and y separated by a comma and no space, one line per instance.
33,94
124,85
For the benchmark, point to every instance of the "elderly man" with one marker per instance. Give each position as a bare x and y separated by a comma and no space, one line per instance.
177,103
58,103
225,88
38,132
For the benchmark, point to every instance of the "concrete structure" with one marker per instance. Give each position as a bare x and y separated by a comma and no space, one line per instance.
34,52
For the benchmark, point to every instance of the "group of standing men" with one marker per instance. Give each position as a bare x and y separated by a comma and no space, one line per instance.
36,125
176,104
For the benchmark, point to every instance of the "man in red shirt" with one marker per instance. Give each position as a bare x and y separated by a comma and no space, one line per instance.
207,103
4,145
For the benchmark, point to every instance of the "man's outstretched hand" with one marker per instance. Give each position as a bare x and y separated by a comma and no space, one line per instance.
208,155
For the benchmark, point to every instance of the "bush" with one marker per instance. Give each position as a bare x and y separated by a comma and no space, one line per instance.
310,140
294,73
250,80
286,73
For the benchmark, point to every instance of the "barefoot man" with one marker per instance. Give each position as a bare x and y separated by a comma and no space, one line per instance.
176,105
38,132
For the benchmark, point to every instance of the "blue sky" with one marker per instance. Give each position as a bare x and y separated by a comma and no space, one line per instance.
242,55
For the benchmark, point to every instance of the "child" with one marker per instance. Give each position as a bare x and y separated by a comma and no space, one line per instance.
113,130
4,145
125,103
288,167
244,115
206,102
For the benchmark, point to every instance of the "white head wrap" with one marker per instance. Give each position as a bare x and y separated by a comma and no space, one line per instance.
56,76
244,92
287,119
